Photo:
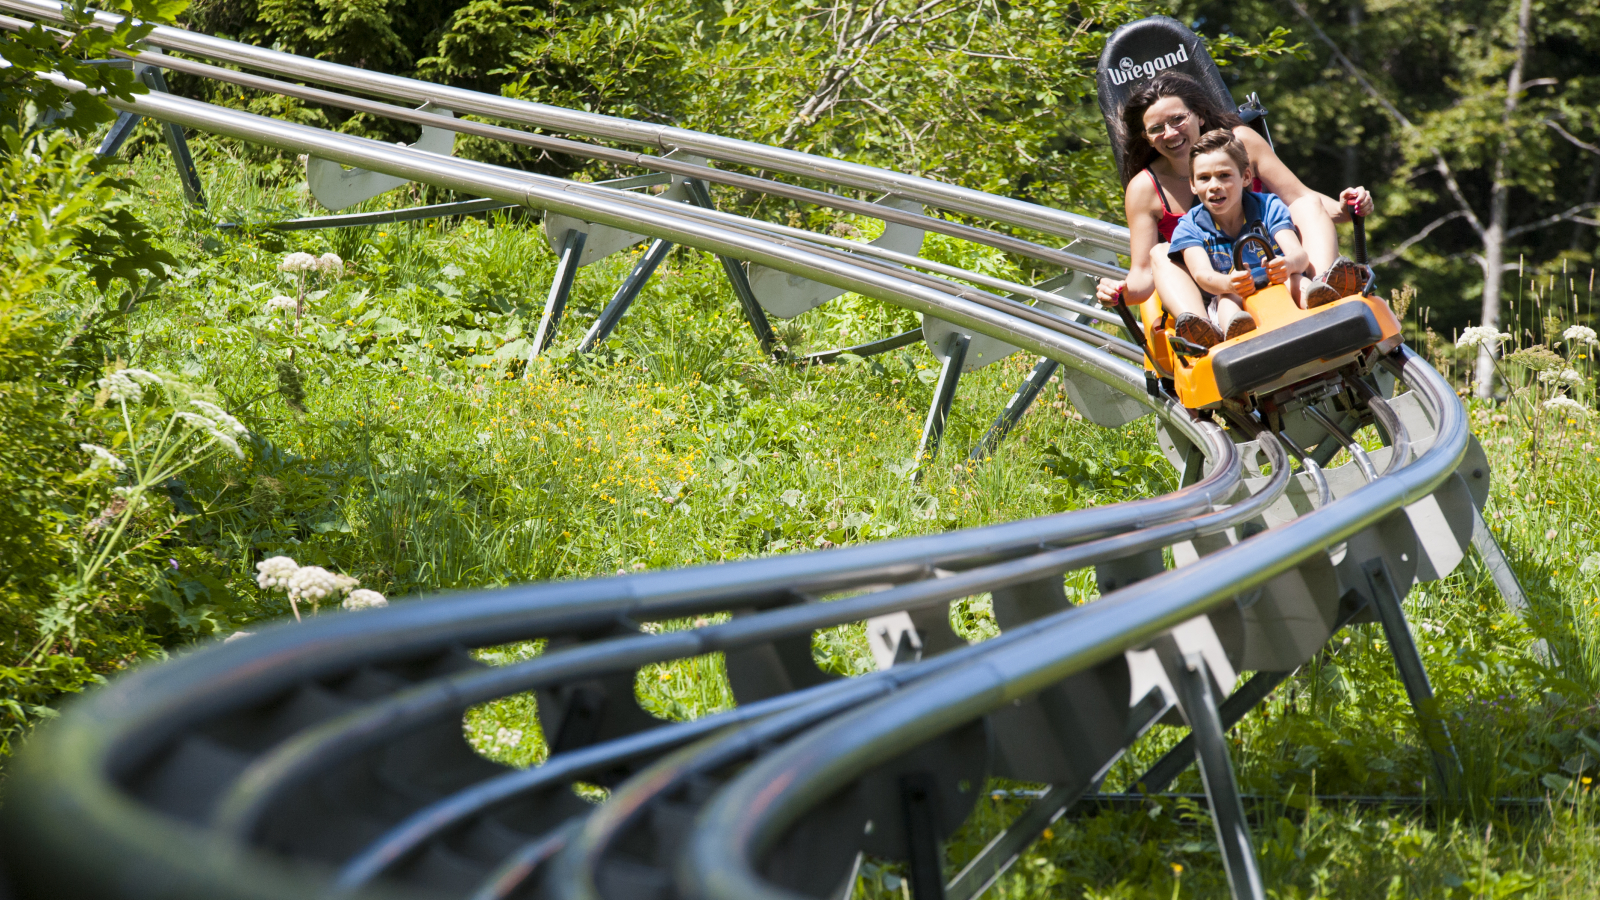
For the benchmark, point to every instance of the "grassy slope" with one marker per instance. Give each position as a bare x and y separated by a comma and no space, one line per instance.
416,464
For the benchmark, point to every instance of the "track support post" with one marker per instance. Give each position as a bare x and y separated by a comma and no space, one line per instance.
625,295
560,290
177,142
1027,392
753,313
1191,679
1435,733
917,798
944,393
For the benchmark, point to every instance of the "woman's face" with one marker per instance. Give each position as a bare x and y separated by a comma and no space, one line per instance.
1172,128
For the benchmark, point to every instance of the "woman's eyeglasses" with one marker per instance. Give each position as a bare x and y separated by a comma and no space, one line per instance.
1175,123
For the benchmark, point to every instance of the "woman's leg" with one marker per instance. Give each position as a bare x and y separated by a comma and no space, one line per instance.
1178,292
1317,233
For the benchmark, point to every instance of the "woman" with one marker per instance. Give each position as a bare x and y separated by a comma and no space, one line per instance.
1162,122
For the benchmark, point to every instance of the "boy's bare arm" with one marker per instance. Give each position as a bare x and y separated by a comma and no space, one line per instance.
1212,281
1295,258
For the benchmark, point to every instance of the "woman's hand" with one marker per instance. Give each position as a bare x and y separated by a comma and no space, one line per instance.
1277,269
1110,292
1359,197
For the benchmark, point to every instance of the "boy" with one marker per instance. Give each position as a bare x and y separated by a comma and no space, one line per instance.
1219,173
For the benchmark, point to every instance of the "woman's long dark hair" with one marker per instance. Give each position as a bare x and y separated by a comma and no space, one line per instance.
1137,151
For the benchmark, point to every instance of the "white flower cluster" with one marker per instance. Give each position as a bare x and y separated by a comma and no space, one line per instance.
1567,377
273,573
312,583
1482,336
296,263
1579,334
127,385
1566,406
103,457
217,424
365,599
281,302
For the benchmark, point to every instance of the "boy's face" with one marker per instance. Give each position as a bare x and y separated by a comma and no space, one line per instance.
1217,181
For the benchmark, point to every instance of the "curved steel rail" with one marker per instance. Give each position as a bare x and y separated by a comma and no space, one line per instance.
256,769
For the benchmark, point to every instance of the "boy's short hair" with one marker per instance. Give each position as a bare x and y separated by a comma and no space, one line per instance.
1220,140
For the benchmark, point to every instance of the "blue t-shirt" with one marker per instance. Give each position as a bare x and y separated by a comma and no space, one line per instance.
1264,214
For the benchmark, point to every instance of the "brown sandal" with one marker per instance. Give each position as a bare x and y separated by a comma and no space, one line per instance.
1240,324
1347,277
1198,330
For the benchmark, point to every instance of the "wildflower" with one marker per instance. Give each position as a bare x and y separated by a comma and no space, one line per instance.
1566,405
275,572
127,385
103,457
1568,377
1579,334
331,264
281,302
1482,336
345,583
298,262
364,599
312,583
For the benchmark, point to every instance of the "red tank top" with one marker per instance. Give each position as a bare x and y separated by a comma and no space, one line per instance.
1170,219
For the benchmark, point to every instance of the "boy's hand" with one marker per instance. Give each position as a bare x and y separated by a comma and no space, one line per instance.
1241,282
1109,292
1277,270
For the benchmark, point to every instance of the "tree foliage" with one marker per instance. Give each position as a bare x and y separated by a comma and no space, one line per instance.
1412,100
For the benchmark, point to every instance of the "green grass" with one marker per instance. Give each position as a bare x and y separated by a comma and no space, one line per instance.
402,441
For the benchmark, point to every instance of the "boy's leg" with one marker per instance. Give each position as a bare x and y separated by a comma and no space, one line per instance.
1178,292
1232,318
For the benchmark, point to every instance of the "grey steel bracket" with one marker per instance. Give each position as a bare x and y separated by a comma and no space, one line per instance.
560,290
944,393
1192,681
700,196
871,348
177,142
1500,571
1123,571
626,293
1026,393
1435,733
786,295
382,217
336,187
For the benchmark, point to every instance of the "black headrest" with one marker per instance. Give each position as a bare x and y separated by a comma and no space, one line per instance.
1138,52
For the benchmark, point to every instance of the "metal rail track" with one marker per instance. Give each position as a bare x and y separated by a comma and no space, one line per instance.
327,759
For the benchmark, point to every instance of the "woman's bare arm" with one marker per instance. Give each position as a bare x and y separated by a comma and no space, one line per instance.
1143,209
1274,175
